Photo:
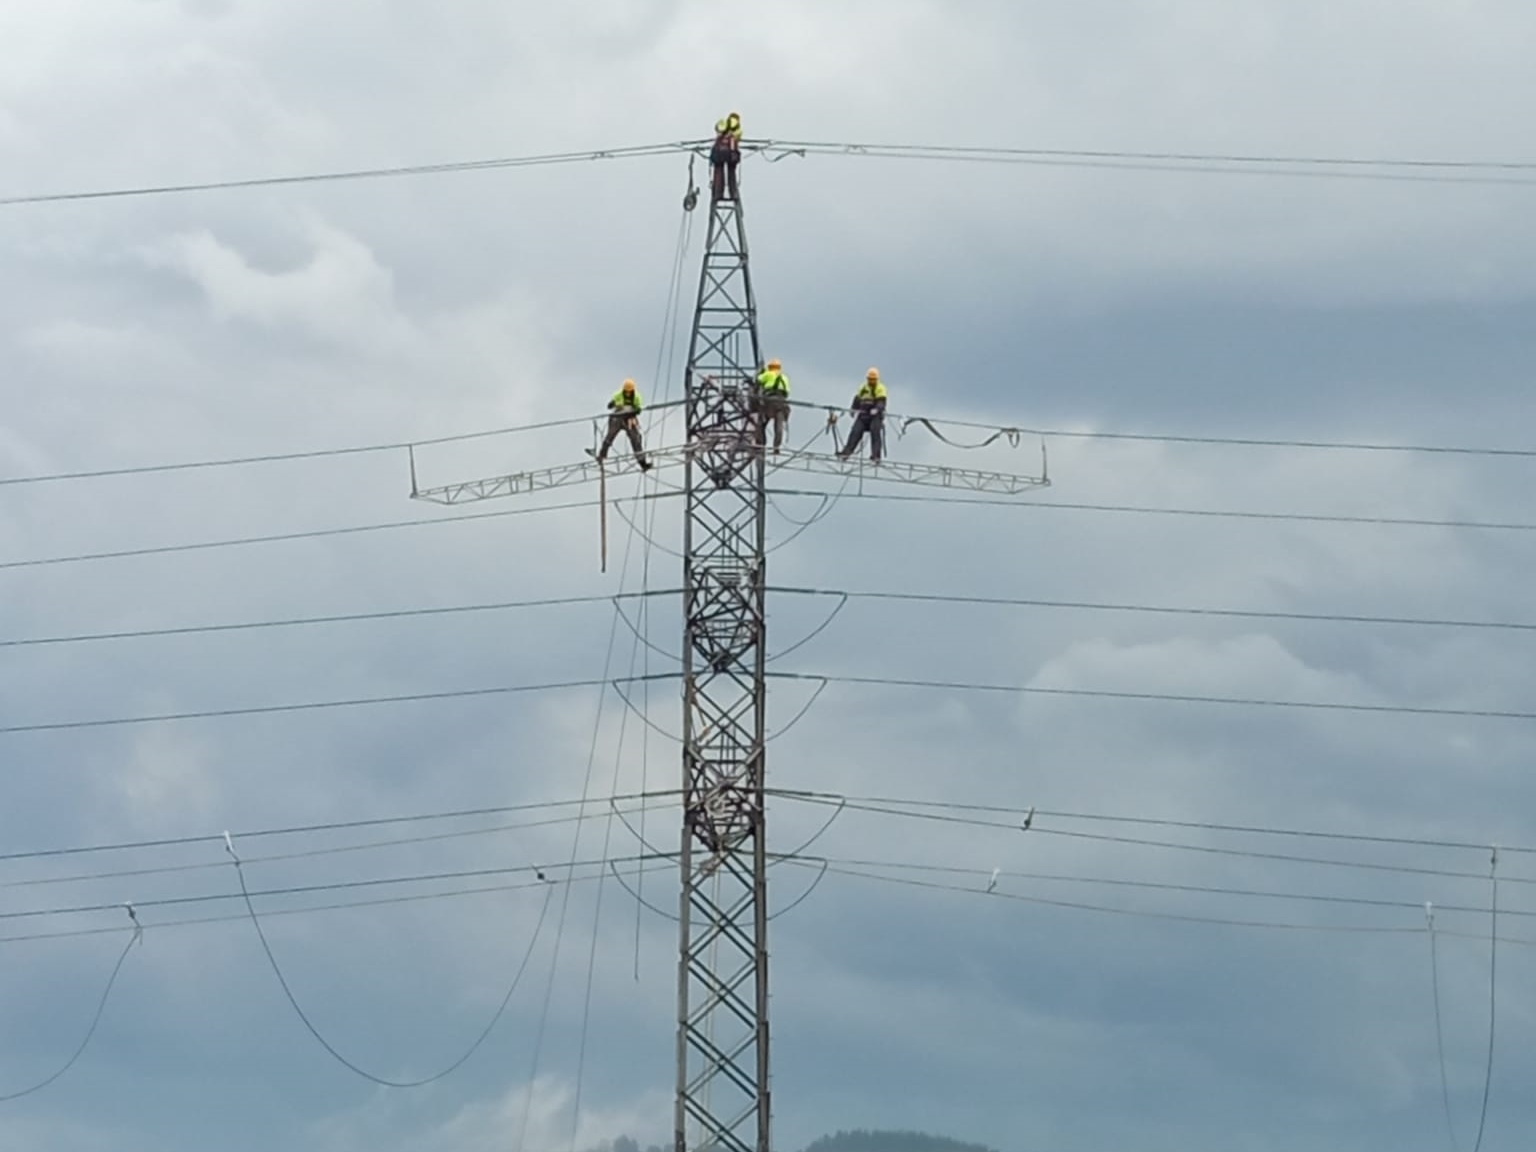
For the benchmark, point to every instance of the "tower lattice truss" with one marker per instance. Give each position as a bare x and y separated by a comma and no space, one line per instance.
722,1042
722,1098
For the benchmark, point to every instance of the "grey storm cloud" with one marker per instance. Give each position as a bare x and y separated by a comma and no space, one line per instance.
1161,986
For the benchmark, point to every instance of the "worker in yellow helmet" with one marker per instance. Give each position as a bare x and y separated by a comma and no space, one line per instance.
624,416
868,416
772,403
725,155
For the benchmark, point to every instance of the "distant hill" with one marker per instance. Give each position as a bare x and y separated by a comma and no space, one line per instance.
857,1140
864,1140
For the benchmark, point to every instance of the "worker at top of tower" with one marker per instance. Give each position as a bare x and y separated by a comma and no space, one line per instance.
623,416
772,403
724,156
868,416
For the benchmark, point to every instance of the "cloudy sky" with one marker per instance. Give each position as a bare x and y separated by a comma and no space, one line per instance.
1147,985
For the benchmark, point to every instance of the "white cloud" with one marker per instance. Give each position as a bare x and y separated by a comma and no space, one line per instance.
536,1116
340,293
321,315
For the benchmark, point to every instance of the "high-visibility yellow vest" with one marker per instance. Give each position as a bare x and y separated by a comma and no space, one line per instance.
630,400
875,391
770,381
730,126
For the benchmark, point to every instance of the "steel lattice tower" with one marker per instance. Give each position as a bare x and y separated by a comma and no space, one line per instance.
722,1102
722,1031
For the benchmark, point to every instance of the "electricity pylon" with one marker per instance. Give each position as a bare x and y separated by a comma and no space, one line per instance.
722,1100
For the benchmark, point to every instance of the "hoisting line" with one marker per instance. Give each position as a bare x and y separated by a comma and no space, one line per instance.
602,512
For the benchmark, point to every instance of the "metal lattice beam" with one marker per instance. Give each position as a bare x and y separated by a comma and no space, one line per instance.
722,1022
857,469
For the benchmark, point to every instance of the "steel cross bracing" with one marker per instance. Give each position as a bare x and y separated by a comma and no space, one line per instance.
822,463
722,1098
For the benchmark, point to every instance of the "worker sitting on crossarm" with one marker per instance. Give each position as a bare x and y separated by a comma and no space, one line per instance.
624,416
725,155
868,416
772,403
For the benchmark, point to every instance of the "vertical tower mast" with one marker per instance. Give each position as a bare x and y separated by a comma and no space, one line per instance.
722,1102
722,1034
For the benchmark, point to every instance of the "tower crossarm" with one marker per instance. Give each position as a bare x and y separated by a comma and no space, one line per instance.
721,457
908,472
539,479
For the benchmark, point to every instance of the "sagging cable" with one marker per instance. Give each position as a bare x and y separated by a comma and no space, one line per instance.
324,1043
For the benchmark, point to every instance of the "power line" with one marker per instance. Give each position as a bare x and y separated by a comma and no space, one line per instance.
374,902
1062,433
334,886
309,454
1145,510
874,804
1433,170
339,618
1434,985
309,853
911,597
328,826
1493,991
1141,842
312,705
1157,822
1081,906
293,1002
533,161
1238,514
311,534
889,682
1196,157
1158,609
1150,914
1165,697
101,1006
495,889
1339,168
283,537
1211,440
988,875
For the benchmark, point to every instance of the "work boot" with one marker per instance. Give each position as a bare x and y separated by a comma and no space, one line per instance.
645,465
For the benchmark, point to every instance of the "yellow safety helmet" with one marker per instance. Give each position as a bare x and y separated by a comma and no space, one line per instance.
774,365
872,374
629,386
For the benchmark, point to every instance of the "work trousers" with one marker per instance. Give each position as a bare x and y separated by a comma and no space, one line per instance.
623,422
874,424
722,161
772,408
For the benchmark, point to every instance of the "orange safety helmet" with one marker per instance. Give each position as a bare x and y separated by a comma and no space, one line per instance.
629,386
872,374
774,365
